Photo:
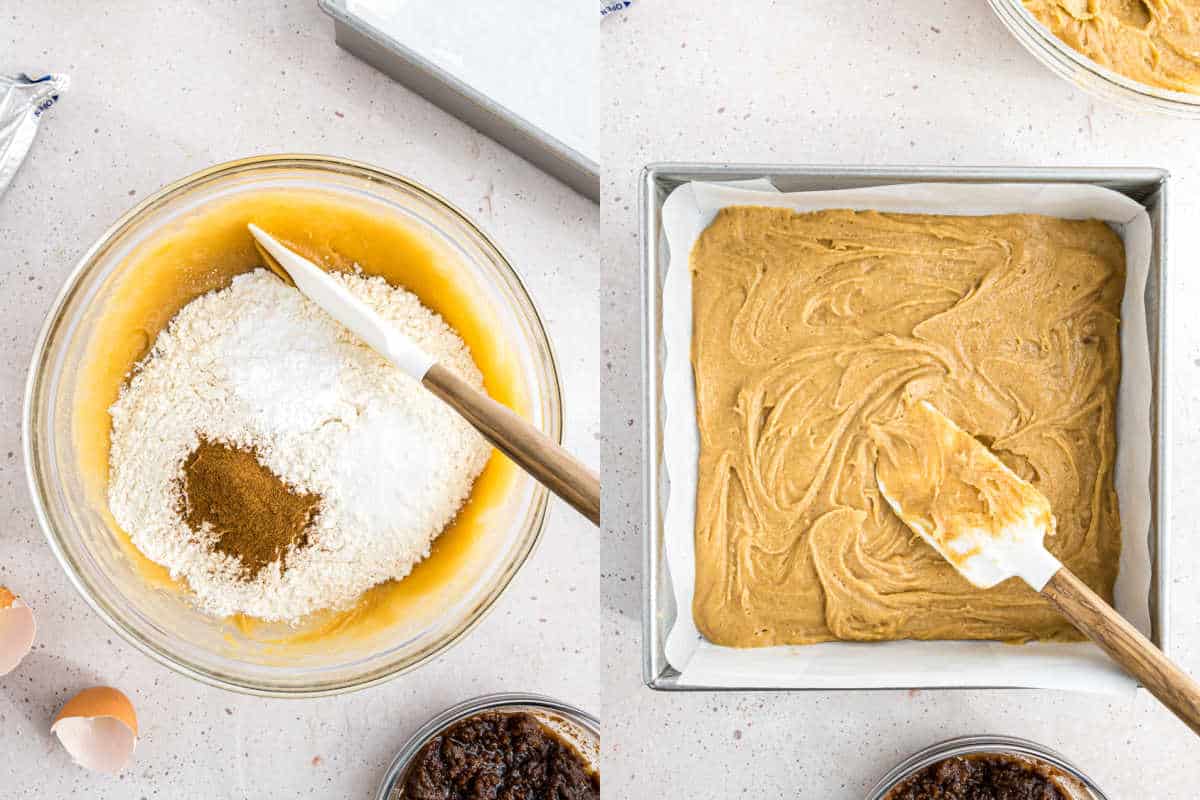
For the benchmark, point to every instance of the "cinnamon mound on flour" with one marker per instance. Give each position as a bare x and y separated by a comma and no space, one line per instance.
255,517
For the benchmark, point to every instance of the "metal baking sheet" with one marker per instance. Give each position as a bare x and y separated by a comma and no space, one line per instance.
1146,185
416,70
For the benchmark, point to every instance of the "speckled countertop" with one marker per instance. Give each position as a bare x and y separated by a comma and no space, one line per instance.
890,82
158,91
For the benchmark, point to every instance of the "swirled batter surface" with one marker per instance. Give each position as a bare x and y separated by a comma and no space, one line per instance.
1156,42
811,328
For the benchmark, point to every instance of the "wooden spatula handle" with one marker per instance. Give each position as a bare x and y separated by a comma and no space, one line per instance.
532,450
1126,644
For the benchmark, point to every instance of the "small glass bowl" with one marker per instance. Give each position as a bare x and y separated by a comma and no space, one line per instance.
1080,70
999,745
161,621
576,726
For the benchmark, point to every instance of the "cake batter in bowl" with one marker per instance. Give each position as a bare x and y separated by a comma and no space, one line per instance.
1126,72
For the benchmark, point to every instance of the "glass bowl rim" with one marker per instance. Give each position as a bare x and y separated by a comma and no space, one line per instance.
981,743
535,516
499,701
1114,87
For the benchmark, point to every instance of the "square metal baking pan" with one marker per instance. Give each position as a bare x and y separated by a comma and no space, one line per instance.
1146,185
455,96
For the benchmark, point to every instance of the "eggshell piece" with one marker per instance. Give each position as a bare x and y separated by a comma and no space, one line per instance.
98,728
17,630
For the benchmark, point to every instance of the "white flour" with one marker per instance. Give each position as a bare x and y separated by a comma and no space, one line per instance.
258,365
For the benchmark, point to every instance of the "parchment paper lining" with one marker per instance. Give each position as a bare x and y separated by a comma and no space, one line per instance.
685,214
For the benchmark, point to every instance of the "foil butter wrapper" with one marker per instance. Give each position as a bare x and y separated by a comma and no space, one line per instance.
23,100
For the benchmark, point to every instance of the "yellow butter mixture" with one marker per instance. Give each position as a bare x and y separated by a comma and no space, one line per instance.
203,252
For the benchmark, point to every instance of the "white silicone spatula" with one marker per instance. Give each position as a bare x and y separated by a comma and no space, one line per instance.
989,523
529,448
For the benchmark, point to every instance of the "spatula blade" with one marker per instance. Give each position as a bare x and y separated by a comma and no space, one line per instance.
341,304
965,502
270,262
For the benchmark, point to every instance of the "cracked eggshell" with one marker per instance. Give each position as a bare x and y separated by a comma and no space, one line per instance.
17,629
98,727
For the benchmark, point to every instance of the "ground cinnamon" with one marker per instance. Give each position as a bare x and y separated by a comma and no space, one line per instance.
254,516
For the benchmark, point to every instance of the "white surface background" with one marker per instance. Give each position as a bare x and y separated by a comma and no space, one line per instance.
884,82
158,91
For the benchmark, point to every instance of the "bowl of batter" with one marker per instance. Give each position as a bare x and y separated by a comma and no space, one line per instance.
1144,56
237,486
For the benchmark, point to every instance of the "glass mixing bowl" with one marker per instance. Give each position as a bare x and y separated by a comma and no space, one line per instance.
576,726
159,618
1083,789
1080,70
